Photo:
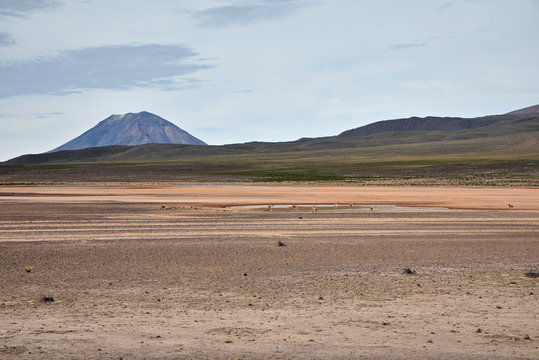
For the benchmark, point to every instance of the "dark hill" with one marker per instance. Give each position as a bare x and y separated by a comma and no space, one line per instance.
531,110
430,123
131,129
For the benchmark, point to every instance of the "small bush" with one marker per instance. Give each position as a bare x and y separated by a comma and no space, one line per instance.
28,269
47,298
280,243
409,271
532,274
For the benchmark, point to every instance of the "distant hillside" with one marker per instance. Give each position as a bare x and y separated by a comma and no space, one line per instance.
438,124
431,136
501,150
131,129
430,123
526,111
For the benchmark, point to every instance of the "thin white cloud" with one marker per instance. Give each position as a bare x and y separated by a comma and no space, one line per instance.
108,67
447,6
407,46
47,115
246,13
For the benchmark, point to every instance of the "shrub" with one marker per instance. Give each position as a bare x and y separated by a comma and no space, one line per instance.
47,298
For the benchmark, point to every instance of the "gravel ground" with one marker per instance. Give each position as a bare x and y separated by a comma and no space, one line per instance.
131,279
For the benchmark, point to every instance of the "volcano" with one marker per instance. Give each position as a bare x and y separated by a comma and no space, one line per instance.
131,129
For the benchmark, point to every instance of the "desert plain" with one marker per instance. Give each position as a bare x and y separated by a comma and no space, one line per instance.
212,272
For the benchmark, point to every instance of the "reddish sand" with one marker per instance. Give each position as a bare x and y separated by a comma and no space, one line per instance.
167,272
200,195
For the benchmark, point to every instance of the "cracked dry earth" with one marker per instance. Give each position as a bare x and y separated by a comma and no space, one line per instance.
131,279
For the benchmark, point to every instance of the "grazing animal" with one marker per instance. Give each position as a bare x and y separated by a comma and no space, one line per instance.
293,206
270,207
314,208
372,208
352,204
510,206
336,205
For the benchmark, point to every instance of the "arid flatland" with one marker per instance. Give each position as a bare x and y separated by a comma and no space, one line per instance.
172,272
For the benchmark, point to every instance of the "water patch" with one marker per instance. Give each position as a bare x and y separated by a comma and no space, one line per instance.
333,207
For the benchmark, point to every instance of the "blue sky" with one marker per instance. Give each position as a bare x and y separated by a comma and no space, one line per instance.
232,71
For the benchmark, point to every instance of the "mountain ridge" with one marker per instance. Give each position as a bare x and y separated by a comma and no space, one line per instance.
515,130
530,110
429,123
437,123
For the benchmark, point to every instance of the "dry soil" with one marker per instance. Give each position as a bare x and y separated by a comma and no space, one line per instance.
173,273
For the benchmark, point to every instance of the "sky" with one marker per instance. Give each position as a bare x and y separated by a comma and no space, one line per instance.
232,71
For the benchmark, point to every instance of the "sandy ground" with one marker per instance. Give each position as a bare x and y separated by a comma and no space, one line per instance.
168,272
202,195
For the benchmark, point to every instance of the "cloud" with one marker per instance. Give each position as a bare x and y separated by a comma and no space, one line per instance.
20,8
47,115
107,67
247,13
6,39
446,6
407,46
